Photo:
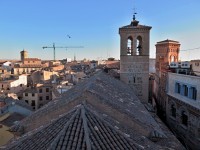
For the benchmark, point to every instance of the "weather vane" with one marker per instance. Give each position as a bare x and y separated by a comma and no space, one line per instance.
134,13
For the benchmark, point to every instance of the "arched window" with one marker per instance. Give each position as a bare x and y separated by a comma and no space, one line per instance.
139,46
130,46
172,59
173,111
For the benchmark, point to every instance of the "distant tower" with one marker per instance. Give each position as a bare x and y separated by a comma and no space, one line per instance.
24,54
74,57
134,57
167,51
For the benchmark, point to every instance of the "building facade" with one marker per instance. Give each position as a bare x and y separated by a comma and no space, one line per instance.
14,85
176,93
43,76
167,51
183,108
27,65
134,57
38,96
195,65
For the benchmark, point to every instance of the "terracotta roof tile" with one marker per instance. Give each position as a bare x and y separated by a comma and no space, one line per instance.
76,130
90,125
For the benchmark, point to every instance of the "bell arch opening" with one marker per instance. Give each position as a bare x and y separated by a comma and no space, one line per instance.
139,45
130,46
172,58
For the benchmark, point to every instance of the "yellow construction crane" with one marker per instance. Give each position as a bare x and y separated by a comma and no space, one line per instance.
54,48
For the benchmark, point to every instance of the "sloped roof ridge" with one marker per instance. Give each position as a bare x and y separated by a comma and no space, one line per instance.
63,131
100,120
83,112
22,140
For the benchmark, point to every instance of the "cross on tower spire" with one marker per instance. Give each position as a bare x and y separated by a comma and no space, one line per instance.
134,14
134,22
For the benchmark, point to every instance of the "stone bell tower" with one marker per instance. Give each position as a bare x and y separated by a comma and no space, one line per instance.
24,54
134,57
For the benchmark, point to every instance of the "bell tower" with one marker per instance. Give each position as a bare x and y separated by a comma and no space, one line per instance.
24,54
167,51
134,57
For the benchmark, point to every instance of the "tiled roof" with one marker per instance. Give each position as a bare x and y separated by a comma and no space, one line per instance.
115,103
32,59
28,66
42,137
10,101
30,90
79,129
86,131
168,41
11,119
134,25
113,64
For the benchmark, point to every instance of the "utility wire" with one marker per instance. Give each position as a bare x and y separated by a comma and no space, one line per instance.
190,49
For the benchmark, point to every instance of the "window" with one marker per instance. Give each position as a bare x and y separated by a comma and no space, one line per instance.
26,94
184,118
178,88
193,93
47,97
40,90
32,103
40,98
47,89
26,101
33,94
185,90
173,111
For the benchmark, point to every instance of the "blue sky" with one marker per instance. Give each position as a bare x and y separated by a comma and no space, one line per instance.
93,24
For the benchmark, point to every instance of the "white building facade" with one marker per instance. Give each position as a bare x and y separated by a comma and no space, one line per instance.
14,85
183,108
